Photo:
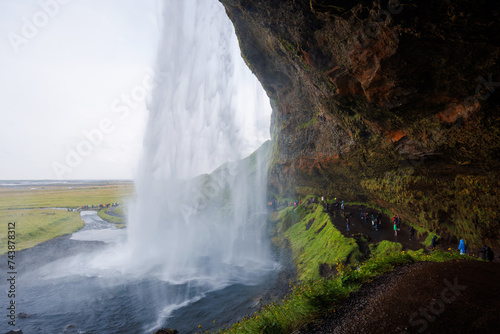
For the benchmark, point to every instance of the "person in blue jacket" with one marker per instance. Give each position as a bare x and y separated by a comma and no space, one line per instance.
433,242
461,247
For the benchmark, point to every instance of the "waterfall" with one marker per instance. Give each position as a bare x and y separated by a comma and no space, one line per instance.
193,220
195,248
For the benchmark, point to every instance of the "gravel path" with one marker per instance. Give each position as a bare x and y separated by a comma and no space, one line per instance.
451,297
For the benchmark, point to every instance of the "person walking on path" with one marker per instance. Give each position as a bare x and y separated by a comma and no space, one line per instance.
461,247
487,254
395,229
433,242
347,223
412,233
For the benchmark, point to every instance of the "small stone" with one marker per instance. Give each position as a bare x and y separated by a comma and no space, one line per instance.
167,331
17,331
70,329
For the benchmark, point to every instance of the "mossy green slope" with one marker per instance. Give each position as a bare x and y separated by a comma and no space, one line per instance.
313,299
313,240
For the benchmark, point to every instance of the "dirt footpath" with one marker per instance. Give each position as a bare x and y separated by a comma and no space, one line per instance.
385,231
451,297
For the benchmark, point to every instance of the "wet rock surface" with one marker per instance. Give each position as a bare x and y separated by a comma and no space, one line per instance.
391,102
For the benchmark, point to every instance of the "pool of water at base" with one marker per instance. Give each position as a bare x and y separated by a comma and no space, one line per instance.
47,303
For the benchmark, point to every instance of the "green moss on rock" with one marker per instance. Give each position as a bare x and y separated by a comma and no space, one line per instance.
401,113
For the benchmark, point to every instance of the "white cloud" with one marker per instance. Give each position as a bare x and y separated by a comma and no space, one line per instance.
64,80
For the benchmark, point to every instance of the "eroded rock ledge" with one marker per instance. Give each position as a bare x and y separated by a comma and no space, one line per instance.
394,102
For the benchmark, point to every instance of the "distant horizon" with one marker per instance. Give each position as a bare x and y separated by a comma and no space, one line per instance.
60,181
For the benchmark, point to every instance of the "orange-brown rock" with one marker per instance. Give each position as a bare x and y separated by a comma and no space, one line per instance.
392,102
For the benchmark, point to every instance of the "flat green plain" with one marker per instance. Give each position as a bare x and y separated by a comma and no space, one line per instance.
65,197
34,213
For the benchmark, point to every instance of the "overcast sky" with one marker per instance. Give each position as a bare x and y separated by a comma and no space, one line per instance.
64,67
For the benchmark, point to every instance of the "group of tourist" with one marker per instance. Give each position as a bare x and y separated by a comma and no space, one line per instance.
95,207
366,217
486,252
396,221
376,220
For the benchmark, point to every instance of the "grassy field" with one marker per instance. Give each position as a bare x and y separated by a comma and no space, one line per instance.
120,211
118,221
36,224
65,197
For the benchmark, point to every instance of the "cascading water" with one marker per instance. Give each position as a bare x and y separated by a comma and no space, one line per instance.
194,249
200,118
208,110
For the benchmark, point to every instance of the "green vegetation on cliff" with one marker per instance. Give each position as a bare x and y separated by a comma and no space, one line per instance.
466,206
313,242
391,103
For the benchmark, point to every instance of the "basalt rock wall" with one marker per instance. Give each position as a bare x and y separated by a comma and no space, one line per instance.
390,102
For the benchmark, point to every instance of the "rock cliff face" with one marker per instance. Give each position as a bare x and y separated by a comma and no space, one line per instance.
390,102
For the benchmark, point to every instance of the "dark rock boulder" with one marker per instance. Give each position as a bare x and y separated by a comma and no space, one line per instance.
17,331
166,331
23,315
70,329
